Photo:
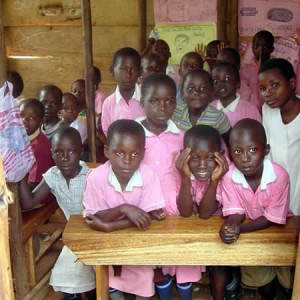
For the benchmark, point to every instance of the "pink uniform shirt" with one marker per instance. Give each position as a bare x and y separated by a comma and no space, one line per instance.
270,200
103,191
237,110
244,91
99,100
115,108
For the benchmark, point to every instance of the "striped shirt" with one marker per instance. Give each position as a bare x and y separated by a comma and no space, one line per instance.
210,116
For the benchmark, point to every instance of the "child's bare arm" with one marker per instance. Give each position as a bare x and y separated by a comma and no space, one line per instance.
257,224
208,205
184,198
30,199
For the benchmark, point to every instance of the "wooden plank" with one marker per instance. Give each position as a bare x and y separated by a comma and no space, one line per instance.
102,282
40,289
296,289
164,243
30,262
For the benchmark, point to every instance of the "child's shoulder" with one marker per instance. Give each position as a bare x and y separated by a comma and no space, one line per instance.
100,172
281,173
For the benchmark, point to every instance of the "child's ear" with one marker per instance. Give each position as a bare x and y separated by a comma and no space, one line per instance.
267,150
106,152
293,83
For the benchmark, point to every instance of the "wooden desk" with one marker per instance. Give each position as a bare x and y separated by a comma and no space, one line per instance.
180,241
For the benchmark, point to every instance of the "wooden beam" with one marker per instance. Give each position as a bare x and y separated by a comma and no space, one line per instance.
142,26
88,74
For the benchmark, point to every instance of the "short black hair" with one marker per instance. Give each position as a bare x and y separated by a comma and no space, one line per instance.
67,132
284,66
193,54
265,34
197,72
80,81
126,51
55,90
68,94
225,64
97,73
125,126
157,78
149,56
234,54
203,132
34,103
17,79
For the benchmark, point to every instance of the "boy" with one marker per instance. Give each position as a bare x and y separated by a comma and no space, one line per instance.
124,193
78,89
51,98
150,64
124,103
66,181
261,194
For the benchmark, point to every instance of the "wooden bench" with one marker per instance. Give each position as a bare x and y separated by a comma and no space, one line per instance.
180,241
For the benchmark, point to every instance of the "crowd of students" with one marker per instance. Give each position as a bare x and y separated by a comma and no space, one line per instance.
222,141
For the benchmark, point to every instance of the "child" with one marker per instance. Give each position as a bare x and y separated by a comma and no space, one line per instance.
226,79
18,85
99,95
232,56
202,165
262,47
190,61
66,181
197,92
257,189
78,89
51,97
70,114
150,64
122,193
32,112
281,120
124,103
164,137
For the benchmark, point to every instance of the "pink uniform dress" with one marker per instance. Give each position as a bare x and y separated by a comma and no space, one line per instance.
270,200
237,110
245,92
115,108
103,191
99,100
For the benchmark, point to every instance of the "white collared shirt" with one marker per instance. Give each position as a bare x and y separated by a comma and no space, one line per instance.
231,107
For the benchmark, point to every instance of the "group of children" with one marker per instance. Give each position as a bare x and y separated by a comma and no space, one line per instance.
195,147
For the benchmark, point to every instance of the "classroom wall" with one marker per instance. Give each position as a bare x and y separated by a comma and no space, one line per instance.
50,33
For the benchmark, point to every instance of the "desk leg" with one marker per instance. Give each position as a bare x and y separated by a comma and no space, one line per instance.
102,282
296,289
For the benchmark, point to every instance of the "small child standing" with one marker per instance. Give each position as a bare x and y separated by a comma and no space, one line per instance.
257,189
150,64
123,193
32,112
66,182
78,89
51,97
226,79
99,95
124,103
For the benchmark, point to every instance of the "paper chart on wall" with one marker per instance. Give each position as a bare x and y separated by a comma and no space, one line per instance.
184,38
278,17
185,11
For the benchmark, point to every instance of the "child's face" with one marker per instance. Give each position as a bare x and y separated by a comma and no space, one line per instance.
162,49
126,72
212,51
78,89
51,103
188,63
150,66
202,158
275,90
125,154
225,82
248,150
159,104
31,118
70,108
261,48
197,91
66,153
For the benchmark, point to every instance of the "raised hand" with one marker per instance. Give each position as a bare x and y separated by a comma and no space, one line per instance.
201,50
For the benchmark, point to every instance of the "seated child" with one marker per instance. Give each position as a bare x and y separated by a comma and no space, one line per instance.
18,85
78,89
232,56
163,137
190,61
262,47
256,189
123,193
32,112
51,97
70,115
197,92
66,181
99,95
202,165
226,79
124,103
150,64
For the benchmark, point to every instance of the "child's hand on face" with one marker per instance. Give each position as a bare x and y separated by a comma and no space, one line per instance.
182,163
137,216
221,167
96,223
158,214
229,233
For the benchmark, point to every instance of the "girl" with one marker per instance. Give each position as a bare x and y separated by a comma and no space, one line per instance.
164,137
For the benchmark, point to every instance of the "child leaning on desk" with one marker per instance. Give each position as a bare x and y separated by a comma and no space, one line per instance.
123,193
65,181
